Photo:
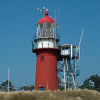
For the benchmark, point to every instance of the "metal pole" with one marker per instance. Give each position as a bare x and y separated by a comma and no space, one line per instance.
8,80
74,83
47,86
75,67
64,79
75,71
67,73
67,65
64,76
81,38
71,51
37,32
58,17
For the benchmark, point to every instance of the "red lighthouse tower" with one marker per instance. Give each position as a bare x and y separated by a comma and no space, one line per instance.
46,48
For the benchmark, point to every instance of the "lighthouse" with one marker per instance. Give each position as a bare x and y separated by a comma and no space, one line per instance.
46,48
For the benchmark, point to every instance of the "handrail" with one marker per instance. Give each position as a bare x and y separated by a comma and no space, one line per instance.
40,37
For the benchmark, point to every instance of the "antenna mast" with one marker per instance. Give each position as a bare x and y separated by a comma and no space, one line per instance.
81,38
58,17
80,43
78,51
55,14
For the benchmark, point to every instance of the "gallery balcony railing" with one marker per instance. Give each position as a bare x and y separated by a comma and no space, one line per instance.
35,37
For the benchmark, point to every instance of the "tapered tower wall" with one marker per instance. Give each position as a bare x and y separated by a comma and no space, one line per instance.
46,69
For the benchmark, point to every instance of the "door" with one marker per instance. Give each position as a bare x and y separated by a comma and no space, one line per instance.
41,88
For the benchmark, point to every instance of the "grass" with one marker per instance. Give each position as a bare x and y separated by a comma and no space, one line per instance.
77,94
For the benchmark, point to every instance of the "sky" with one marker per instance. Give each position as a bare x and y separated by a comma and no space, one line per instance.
18,19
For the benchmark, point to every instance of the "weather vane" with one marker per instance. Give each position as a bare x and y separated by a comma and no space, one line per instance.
42,11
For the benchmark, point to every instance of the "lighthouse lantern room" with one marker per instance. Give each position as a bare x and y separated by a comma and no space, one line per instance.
46,36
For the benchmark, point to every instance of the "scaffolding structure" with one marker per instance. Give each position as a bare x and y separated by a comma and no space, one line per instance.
67,62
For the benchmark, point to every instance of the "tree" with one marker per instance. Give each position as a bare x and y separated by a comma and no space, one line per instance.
4,86
27,88
93,82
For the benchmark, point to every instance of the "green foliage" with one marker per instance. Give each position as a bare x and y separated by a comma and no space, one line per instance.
4,86
93,82
27,88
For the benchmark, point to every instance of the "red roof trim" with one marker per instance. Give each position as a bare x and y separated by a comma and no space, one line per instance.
46,19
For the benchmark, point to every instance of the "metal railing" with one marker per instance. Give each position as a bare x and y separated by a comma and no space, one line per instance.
35,37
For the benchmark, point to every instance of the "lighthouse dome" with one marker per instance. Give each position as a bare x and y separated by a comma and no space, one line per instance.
46,19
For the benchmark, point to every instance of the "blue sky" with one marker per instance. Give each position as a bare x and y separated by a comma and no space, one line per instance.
18,19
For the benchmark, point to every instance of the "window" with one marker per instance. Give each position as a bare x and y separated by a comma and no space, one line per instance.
66,47
42,58
46,29
48,44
